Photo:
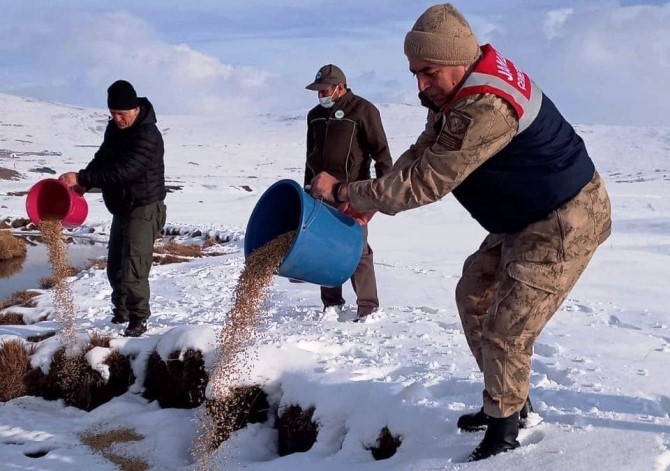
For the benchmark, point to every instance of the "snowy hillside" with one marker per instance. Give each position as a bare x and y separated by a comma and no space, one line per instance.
599,377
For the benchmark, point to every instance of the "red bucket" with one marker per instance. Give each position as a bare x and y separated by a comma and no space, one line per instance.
51,199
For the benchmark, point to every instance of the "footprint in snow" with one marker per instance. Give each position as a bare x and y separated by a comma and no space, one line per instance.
546,350
614,321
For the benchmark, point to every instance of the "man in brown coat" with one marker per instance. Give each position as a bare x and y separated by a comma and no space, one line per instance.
344,135
499,144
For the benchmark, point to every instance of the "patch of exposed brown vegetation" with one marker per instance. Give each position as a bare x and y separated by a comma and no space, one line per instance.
11,267
175,252
11,318
97,264
98,340
180,250
211,242
187,379
9,174
72,379
386,446
14,364
19,298
168,259
242,406
296,430
103,442
11,246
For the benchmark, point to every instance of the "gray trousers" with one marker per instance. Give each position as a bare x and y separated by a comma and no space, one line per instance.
129,258
363,281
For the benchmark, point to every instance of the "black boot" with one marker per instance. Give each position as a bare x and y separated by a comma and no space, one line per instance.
136,327
119,317
478,421
523,413
500,437
473,422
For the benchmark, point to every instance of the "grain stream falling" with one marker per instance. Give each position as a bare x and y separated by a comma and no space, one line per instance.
234,361
63,300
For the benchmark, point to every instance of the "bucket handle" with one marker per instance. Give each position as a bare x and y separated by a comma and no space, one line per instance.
311,219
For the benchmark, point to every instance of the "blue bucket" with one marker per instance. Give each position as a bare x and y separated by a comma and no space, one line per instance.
327,245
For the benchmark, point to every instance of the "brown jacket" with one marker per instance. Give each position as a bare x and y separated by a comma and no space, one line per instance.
345,139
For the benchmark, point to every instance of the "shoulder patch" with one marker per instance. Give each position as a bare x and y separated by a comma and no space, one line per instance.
454,130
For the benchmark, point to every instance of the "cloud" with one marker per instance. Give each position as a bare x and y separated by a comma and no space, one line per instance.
612,63
555,21
600,64
601,61
81,55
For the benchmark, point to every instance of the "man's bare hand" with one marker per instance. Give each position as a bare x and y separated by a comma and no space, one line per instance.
69,179
322,186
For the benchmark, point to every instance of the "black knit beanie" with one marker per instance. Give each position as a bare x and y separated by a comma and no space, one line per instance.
121,96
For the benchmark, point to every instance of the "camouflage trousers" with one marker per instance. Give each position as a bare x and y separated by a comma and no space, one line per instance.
514,284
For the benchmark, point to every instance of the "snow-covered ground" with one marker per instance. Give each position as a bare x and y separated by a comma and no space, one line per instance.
599,376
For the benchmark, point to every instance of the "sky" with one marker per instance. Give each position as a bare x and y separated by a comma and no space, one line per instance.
600,60
599,379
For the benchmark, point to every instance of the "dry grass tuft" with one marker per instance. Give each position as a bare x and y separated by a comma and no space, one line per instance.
211,242
242,406
14,364
11,246
103,442
296,430
71,378
168,259
19,298
181,250
49,282
97,264
98,340
386,446
187,379
11,267
11,318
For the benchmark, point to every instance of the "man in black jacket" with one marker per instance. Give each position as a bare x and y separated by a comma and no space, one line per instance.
129,170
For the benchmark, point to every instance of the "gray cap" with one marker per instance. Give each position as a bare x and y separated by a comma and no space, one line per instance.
327,75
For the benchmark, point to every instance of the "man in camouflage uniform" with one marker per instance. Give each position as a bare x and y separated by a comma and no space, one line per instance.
496,142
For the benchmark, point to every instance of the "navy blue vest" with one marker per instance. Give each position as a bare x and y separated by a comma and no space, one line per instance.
544,166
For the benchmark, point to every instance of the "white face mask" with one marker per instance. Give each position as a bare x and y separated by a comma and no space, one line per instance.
327,101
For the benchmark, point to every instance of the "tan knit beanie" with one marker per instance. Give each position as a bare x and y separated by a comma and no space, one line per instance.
442,35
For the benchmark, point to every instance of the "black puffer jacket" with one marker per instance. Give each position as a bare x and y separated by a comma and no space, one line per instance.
129,165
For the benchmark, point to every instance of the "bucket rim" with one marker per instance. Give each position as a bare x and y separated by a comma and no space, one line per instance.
32,203
257,208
